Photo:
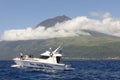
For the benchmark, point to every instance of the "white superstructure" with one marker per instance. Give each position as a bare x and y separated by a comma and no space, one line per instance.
47,60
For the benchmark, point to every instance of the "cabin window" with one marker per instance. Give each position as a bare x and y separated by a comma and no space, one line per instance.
58,59
44,57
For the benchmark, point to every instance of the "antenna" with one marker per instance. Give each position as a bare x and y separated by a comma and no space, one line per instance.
56,49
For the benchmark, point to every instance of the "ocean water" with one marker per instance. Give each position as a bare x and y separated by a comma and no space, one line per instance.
84,70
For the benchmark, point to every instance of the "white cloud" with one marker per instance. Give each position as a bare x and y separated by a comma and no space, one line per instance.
106,15
72,27
101,15
95,14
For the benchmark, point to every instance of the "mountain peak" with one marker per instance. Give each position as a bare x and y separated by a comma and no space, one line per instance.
52,21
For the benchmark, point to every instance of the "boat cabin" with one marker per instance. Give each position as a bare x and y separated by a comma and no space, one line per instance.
48,55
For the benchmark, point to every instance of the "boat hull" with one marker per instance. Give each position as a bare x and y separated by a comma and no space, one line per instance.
40,65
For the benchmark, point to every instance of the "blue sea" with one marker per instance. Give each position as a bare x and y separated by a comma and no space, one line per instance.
84,70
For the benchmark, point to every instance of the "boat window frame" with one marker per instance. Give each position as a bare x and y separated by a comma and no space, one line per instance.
44,57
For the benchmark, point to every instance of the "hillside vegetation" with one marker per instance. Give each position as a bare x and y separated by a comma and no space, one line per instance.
80,47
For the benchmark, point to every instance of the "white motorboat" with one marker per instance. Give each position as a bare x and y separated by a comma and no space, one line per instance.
49,60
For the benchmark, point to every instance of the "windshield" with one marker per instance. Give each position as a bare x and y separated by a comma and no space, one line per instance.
44,57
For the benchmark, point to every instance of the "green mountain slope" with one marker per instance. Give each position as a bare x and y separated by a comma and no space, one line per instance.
89,47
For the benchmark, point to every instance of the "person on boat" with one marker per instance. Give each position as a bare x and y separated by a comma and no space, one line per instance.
30,56
51,52
21,55
60,51
50,49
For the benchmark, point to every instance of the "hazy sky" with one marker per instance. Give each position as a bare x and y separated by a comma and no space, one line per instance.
20,14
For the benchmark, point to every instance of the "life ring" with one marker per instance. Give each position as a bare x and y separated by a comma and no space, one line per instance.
51,54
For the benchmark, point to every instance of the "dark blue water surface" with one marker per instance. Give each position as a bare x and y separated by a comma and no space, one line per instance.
84,70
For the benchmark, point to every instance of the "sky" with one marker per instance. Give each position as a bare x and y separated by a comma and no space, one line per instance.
22,15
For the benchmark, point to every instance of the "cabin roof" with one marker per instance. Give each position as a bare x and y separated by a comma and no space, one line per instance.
47,53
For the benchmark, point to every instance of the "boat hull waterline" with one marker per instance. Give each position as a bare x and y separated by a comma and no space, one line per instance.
39,65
